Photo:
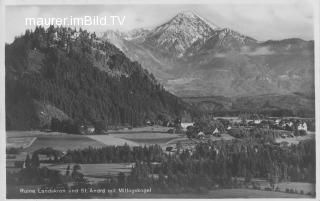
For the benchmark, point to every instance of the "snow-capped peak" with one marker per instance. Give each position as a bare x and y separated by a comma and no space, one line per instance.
179,33
193,15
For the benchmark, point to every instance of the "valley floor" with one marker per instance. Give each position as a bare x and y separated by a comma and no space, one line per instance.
30,141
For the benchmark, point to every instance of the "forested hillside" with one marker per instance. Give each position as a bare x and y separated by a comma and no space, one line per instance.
66,74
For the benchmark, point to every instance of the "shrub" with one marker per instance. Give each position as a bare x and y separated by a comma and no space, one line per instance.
18,164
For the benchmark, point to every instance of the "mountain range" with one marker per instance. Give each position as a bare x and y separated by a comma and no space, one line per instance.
193,57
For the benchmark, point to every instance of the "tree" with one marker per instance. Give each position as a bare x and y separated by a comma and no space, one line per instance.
100,126
68,170
28,161
76,175
35,163
121,180
191,132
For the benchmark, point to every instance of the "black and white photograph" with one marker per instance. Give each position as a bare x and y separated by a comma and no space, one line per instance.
150,100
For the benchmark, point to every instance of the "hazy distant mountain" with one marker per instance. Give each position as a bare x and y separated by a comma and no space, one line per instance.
192,57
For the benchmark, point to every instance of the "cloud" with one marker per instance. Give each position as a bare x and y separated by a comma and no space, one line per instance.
257,51
260,21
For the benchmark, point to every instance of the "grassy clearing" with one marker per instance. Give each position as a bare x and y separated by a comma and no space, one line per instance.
18,142
63,143
159,129
11,134
109,140
147,138
95,170
296,140
224,136
298,186
305,187
129,135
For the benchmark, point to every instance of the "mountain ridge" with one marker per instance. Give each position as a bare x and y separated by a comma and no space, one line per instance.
192,59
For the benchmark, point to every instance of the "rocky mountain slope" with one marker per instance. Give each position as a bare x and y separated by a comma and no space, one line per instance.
192,57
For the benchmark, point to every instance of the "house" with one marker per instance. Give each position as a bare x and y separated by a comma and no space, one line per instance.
257,121
90,129
277,121
87,129
201,135
185,126
216,131
302,126
148,122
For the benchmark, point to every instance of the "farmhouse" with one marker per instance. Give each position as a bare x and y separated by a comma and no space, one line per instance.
216,131
277,121
185,125
302,126
257,121
90,129
87,129
201,135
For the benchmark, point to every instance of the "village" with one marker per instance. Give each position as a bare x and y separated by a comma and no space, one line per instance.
282,131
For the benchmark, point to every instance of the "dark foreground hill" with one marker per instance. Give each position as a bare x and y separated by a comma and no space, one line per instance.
68,75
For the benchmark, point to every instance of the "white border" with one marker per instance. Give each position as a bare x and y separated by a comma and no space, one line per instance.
4,3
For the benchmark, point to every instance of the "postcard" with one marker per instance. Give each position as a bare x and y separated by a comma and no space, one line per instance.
174,100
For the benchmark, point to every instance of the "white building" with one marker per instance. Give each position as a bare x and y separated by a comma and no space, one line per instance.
257,121
185,125
201,135
216,131
303,126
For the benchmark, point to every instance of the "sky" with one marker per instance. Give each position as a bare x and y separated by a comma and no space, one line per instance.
260,21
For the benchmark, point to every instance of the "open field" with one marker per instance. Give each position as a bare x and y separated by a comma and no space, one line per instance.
149,129
64,143
95,172
296,140
109,140
305,187
298,186
220,193
224,136
56,140
184,140
148,138
34,133
17,142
